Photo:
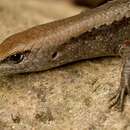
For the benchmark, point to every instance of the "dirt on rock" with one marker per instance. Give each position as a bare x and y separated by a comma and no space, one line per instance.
72,97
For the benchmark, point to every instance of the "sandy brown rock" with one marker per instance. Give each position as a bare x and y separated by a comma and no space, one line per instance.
72,97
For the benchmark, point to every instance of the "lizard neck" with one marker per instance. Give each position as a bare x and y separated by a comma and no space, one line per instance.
103,41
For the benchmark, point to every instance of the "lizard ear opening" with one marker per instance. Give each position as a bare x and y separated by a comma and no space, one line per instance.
54,55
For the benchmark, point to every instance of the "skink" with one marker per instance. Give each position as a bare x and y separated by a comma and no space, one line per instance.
104,31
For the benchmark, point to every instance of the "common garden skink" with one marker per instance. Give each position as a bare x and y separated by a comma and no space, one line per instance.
103,31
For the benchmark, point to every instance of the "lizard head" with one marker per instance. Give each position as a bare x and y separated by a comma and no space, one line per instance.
30,51
14,54
23,52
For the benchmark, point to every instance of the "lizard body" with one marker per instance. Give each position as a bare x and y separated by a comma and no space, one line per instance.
100,32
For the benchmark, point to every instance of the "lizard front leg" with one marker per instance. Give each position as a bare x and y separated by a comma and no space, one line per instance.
124,89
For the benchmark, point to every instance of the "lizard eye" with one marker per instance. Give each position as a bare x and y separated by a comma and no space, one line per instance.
17,58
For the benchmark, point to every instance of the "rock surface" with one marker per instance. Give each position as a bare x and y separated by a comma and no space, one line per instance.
72,97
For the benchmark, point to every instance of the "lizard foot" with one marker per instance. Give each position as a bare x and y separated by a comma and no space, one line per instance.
118,99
